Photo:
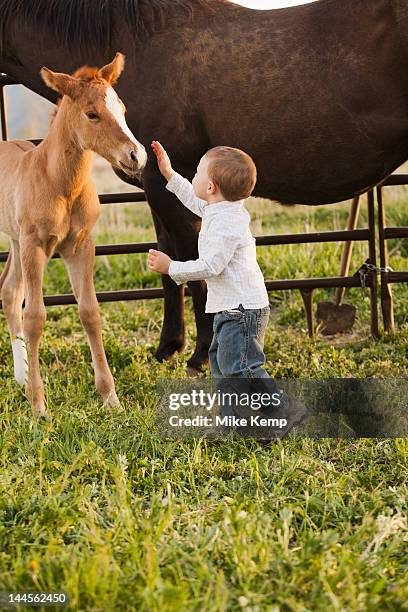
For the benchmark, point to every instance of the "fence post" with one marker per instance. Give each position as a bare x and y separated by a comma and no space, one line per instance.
3,119
387,304
373,273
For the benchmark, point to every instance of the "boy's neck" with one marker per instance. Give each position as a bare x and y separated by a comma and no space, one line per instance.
215,198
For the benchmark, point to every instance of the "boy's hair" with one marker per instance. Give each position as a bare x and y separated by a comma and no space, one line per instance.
233,171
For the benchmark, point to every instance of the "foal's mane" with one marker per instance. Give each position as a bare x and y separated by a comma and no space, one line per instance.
90,23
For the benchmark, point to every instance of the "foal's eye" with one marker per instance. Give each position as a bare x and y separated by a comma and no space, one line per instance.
92,116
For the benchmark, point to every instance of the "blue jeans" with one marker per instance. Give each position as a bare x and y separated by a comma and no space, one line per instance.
237,358
236,349
236,353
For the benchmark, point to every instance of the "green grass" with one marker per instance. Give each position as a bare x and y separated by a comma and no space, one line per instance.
101,507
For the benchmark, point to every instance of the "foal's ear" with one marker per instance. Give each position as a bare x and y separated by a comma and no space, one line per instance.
64,84
111,72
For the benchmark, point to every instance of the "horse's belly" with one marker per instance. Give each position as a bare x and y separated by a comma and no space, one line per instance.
11,229
8,221
10,157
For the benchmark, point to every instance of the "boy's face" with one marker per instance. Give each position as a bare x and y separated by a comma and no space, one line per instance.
203,185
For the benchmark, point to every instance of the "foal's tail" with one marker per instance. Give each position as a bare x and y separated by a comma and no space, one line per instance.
5,269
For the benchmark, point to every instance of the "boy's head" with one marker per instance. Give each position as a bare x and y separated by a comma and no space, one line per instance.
225,172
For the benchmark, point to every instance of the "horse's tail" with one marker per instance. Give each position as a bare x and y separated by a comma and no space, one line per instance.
5,269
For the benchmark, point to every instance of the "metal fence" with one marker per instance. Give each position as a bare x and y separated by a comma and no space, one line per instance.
306,286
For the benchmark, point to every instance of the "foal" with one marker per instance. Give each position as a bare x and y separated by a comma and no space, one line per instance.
48,203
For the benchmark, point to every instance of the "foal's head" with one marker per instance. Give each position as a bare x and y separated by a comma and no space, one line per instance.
97,115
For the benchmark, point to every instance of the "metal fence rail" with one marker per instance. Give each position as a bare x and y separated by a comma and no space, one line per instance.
306,286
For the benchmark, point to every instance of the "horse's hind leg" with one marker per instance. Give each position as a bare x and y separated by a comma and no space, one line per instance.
204,323
80,270
12,296
33,261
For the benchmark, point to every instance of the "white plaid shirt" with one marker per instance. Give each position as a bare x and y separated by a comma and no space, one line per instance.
226,249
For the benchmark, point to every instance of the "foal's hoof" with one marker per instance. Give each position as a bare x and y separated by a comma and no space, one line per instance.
112,401
40,413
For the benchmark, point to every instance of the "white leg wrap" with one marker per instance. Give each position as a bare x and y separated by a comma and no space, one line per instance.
20,360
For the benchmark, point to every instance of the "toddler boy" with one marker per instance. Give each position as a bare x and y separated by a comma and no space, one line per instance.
236,290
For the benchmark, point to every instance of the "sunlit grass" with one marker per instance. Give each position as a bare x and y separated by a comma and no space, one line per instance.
101,507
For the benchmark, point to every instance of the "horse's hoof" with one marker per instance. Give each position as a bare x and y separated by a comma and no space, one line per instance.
193,372
197,364
41,413
112,401
198,360
166,351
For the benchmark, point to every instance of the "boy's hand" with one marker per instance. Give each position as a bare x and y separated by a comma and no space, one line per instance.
163,160
158,261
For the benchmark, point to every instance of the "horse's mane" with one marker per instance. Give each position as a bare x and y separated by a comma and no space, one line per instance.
90,23
87,73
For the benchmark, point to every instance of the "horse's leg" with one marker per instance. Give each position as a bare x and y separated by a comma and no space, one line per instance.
204,323
179,247
172,337
33,261
12,296
185,239
177,234
79,264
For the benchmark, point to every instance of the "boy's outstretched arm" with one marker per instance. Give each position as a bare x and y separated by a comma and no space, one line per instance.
163,160
176,183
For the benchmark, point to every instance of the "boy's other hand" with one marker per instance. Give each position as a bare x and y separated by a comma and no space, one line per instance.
163,160
158,261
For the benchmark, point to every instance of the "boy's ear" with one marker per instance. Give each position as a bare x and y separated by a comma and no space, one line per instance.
211,187
60,82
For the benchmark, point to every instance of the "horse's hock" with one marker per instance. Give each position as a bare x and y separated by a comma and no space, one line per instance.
331,317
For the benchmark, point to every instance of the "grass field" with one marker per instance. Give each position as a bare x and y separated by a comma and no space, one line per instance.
101,507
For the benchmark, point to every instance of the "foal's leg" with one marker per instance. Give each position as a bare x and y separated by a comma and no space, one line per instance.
33,261
80,270
12,296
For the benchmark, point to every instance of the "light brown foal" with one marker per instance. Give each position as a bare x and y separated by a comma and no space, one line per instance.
49,203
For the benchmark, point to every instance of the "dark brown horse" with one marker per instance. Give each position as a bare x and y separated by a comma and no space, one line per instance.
317,94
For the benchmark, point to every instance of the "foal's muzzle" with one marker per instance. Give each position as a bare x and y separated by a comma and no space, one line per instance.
135,160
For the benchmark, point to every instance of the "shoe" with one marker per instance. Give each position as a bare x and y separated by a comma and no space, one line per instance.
295,409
